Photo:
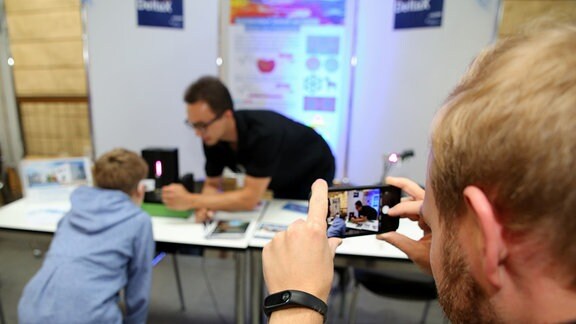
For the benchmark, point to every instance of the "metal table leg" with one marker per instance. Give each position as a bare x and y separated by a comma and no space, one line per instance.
240,287
178,282
257,291
2,319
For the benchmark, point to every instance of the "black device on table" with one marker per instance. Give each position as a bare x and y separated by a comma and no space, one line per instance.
372,202
162,168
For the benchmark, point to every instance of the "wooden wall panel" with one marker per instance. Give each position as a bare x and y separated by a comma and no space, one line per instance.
50,82
56,128
41,26
44,54
27,5
517,13
47,47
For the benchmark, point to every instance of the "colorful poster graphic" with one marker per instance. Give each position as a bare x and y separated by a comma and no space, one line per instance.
292,12
160,13
291,56
418,13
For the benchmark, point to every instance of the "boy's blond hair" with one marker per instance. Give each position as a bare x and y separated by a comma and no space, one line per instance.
120,169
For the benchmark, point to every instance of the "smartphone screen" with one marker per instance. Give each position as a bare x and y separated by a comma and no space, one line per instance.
355,211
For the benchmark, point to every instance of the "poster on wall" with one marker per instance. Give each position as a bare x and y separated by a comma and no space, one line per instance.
418,13
160,13
291,56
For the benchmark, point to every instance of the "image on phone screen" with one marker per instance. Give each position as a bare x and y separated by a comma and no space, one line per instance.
356,211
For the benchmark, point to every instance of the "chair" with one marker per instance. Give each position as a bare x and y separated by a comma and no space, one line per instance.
408,286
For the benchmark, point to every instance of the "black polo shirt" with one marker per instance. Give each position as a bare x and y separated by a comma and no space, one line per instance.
271,145
369,212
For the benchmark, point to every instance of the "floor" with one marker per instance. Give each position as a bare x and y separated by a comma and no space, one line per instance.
208,285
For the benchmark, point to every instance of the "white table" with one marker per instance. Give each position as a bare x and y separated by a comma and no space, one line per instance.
360,251
187,232
30,216
367,245
172,233
169,234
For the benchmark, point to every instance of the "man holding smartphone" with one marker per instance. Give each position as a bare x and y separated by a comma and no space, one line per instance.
498,212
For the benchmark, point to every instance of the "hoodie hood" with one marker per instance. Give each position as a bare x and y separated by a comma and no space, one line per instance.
94,210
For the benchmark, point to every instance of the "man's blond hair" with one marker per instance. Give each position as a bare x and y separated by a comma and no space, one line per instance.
120,169
509,128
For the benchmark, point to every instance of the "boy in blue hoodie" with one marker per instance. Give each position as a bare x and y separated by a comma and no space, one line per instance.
102,245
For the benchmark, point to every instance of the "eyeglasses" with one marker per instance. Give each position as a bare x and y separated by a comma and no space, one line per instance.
202,126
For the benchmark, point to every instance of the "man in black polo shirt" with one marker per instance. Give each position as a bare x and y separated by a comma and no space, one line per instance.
365,213
275,152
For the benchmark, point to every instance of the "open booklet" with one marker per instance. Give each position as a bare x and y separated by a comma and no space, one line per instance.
268,230
234,225
227,229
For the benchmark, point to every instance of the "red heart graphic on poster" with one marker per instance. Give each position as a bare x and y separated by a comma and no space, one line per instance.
266,66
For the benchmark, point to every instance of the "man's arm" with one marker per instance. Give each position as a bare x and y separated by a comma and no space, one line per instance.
296,315
212,185
245,198
359,219
176,197
302,258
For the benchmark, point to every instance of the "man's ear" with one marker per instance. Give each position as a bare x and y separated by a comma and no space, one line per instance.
492,251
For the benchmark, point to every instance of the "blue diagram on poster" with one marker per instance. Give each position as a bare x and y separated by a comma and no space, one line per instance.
160,13
418,13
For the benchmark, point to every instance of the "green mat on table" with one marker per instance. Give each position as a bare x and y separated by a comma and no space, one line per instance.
160,210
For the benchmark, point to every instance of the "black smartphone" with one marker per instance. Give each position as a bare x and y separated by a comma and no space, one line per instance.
355,211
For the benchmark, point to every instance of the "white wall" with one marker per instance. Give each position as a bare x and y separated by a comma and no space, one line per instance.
138,76
402,78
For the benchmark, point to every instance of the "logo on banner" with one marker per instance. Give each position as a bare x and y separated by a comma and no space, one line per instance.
160,13
418,13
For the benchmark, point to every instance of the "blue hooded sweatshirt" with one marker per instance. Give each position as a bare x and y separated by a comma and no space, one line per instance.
338,228
102,245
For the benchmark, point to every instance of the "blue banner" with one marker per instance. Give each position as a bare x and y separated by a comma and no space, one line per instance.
418,13
160,13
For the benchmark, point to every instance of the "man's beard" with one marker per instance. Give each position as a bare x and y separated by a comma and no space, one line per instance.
460,295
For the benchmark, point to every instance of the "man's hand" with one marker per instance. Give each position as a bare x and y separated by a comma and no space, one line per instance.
202,215
302,258
417,251
176,197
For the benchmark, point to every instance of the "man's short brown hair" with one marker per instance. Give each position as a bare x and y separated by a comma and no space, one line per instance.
120,169
509,128
211,90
